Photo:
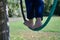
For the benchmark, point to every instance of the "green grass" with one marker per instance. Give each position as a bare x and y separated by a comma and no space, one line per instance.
18,31
53,25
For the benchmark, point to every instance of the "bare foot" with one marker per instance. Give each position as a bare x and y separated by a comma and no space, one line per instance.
38,23
29,24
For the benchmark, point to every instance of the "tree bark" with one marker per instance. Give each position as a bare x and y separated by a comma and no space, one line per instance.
4,27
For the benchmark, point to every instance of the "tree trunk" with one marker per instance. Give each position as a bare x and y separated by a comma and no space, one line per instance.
4,28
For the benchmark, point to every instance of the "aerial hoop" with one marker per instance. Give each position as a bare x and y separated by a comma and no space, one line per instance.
48,19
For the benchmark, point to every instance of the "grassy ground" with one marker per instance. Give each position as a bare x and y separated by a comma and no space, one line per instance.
18,31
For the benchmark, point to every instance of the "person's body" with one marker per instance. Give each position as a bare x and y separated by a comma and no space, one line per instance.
35,9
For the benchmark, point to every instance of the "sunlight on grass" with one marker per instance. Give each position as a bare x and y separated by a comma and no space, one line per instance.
53,25
18,31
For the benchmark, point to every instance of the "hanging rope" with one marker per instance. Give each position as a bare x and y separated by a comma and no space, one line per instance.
22,10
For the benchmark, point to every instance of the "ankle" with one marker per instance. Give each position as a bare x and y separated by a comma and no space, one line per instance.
31,20
38,19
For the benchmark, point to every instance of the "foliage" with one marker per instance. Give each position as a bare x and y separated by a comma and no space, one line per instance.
14,6
48,4
15,10
57,11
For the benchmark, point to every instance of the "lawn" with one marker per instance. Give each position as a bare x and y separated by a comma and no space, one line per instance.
18,31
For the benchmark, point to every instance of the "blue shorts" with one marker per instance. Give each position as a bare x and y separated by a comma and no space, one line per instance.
34,8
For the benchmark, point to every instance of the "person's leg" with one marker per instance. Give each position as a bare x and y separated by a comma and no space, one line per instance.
29,9
39,8
30,13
